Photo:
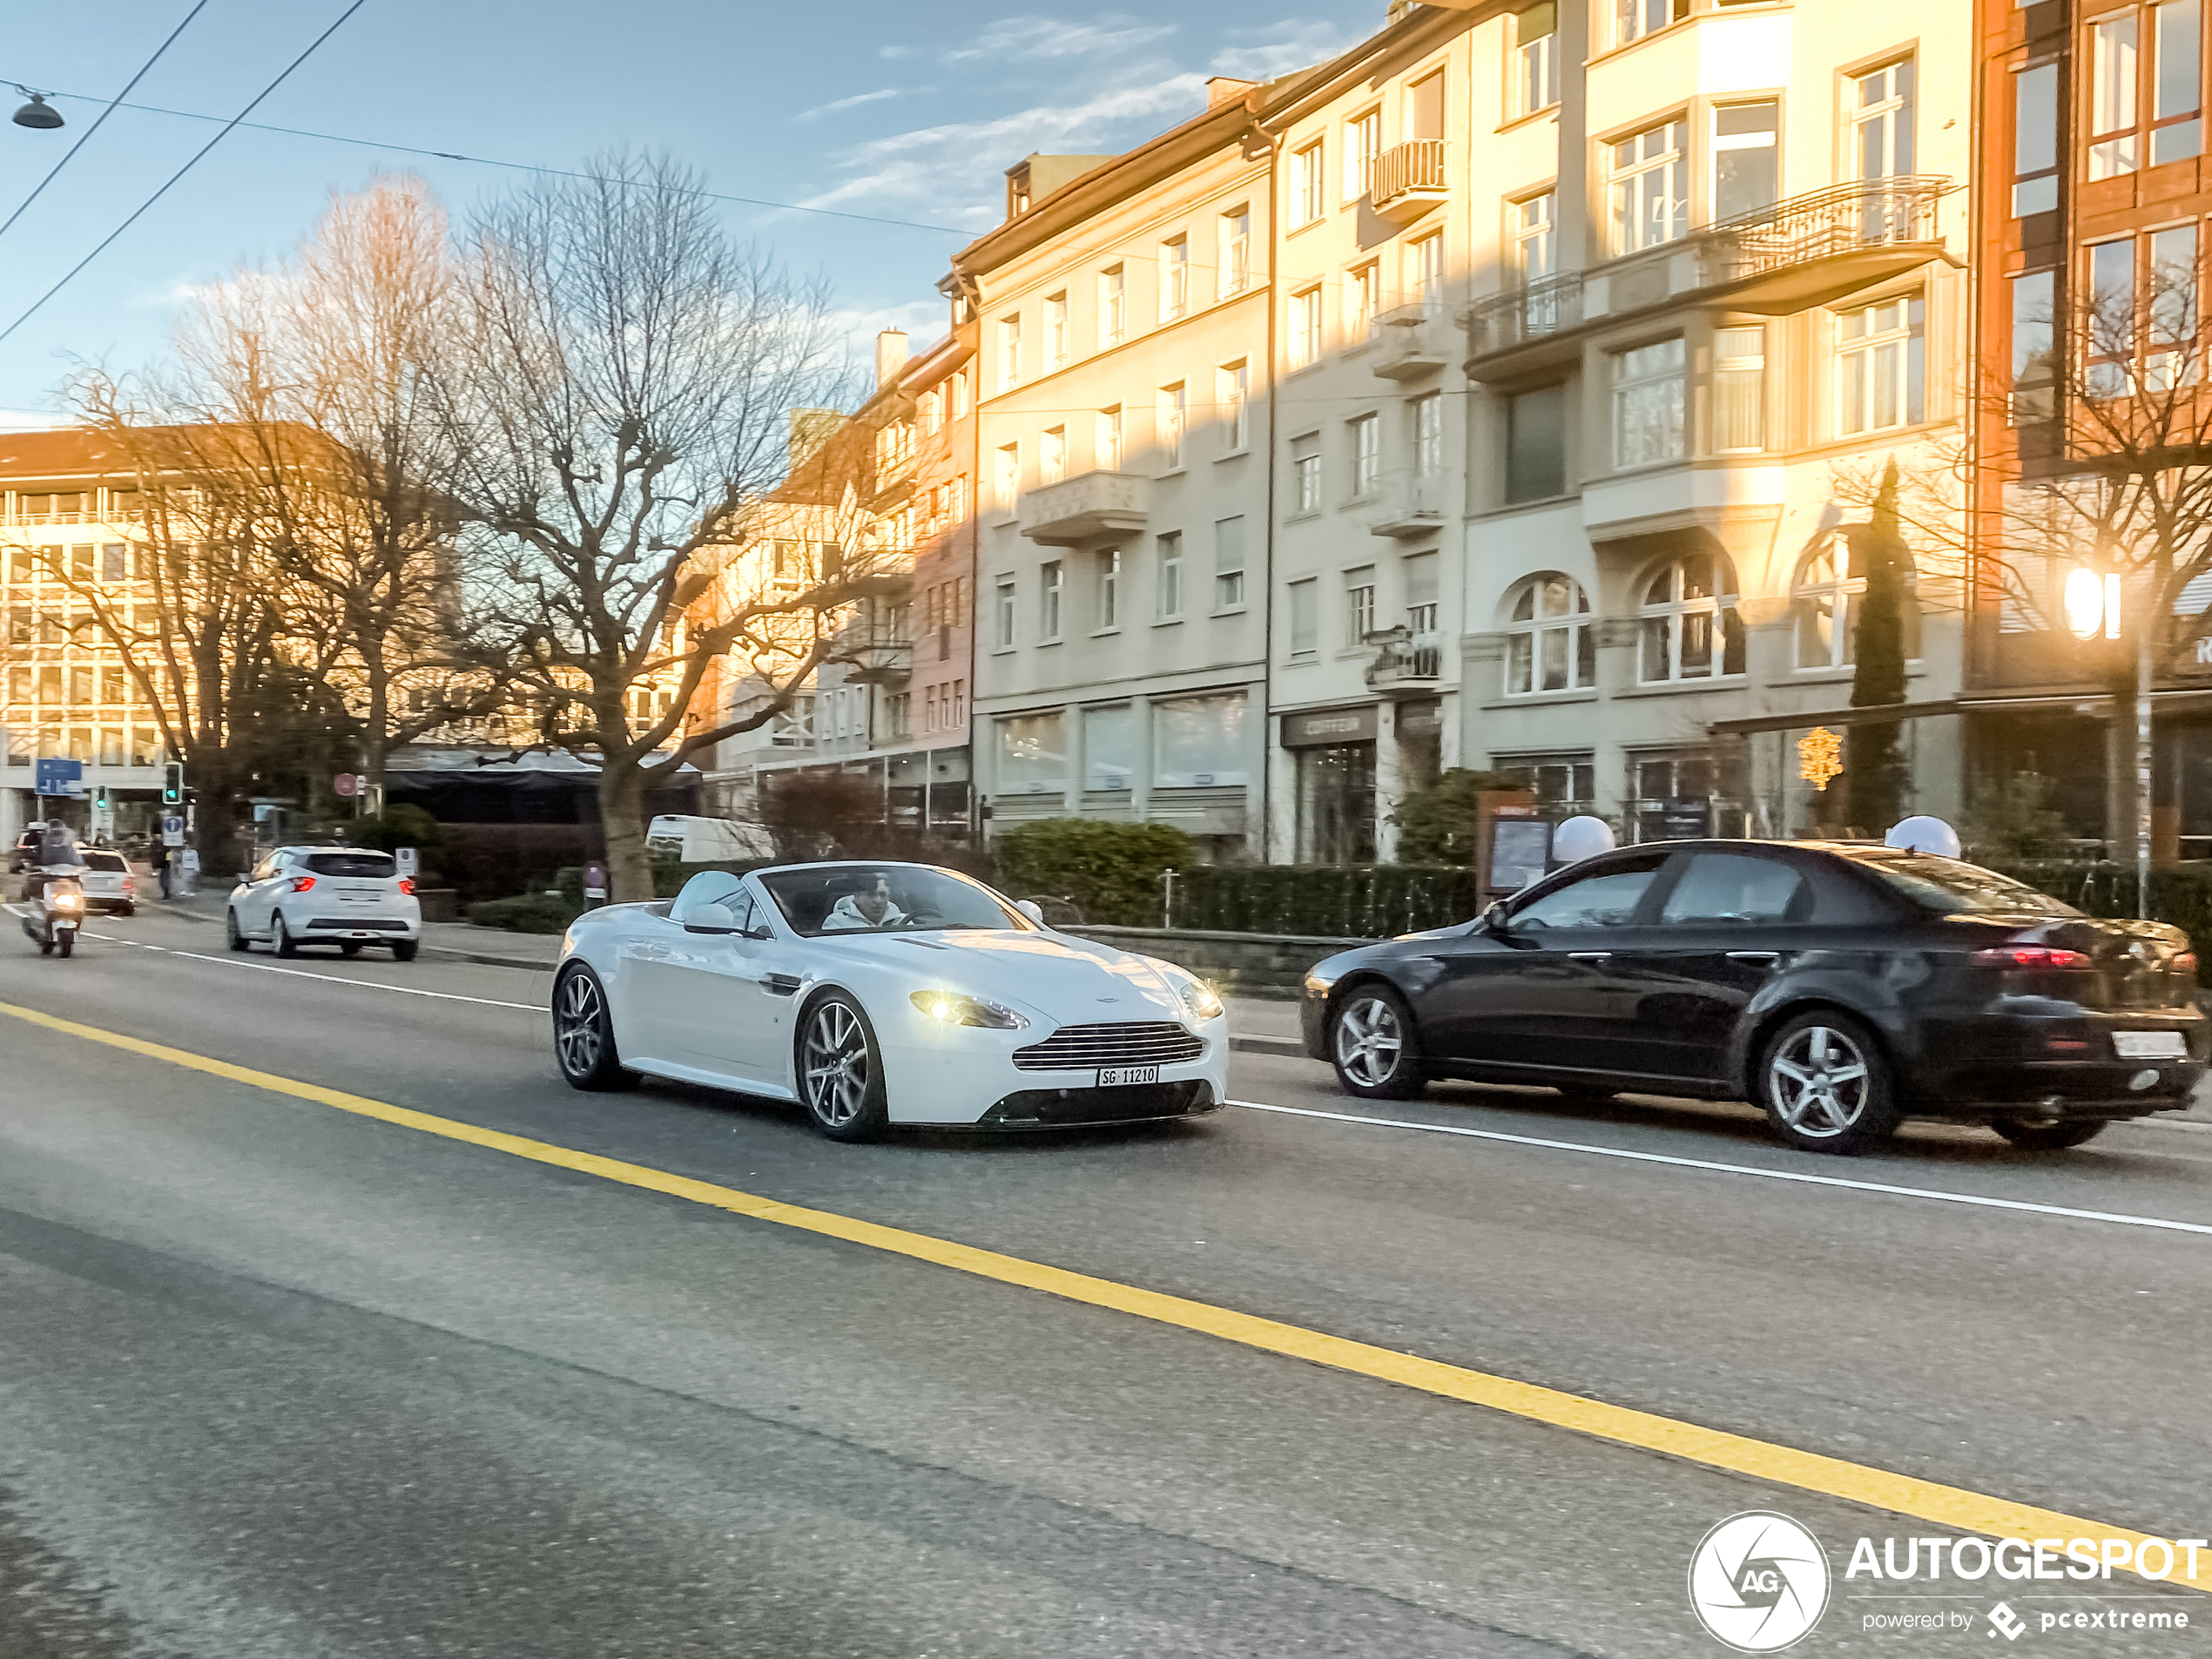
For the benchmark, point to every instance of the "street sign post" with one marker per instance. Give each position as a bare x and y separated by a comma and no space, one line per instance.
345,786
409,861
594,881
172,830
53,776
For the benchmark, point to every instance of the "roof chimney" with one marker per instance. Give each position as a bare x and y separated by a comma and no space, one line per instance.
1221,90
890,355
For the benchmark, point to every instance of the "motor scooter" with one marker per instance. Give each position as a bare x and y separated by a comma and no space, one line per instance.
58,911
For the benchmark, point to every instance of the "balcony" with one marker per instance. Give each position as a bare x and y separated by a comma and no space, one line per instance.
1090,508
1405,663
1408,179
1411,507
1809,250
1409,342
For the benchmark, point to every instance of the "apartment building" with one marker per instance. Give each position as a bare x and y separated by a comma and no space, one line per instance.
2094,195
1718,254
1123,443
1374,160
68,529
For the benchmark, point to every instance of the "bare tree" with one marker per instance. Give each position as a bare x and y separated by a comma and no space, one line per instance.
618,410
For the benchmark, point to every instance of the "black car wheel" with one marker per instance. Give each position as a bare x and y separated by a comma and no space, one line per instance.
1374,1046
583,1034
2049,1137
231,934
1826,1085
281,939
403,949
840,1077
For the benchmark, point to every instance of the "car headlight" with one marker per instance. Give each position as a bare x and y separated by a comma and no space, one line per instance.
1199,997
955,1010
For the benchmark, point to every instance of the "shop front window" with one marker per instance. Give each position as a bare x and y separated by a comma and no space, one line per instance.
1198,742
1336,804
1033,754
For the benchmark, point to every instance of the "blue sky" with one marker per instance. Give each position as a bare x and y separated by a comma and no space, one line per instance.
899,111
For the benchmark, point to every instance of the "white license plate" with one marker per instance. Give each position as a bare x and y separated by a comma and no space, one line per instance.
2150,1045
1110,1075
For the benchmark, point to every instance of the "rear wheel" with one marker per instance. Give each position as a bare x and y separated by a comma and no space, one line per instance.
2049,1137
231,935
349,949
403,949
1373,1045
583,1034
1826,1085
841,1074
123,910
281,939
45,947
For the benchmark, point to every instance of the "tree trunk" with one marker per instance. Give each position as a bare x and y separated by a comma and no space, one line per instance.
1874,767
621,819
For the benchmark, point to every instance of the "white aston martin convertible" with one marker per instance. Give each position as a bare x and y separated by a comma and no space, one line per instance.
875,993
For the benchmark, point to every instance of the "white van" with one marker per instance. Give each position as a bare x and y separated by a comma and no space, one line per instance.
706,840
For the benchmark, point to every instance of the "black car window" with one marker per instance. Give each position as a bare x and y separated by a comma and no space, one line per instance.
1951,887
1604,898
1737,887
355,864
111,861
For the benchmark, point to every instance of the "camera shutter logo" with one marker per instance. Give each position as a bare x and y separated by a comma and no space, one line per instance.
1758,1582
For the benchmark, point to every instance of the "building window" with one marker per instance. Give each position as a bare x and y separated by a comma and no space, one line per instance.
1358,606
2125,82
1306,616
1052,576
1004,632
1175,409
1113,307
1305,472
1110,748
1175,278
2035,140
1691,629
1236,267
1366,454
1881,364
1536,444
2177,82
2109,327
1534,250
1198,742
1107,445
1550,645
1228,564
1422,110
1747,176
1055,331
1536,46
1362,290
1167,599
1006,476
1634,19
1422,595
2113,74
1009,351
1651,187
1647,404
963,398
1052,456
1307,193
1033,753
1362,145
1826,605
1110,589
1424,270
1881,121
1739,389
2035,370
1232,382
1305,327
1429,435
2169,350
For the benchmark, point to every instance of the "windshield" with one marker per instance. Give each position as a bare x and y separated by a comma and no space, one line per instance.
892,897
374,863
1952,888
105,861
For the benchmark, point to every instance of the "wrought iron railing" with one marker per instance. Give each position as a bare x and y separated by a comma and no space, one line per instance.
1519,315
1418,164
1401,655
1844,219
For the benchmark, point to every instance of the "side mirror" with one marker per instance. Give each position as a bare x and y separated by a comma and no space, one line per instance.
1493,919
1032,909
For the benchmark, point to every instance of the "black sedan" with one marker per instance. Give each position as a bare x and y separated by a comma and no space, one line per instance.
1842,988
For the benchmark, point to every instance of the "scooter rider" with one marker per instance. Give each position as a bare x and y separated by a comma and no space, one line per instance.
57,856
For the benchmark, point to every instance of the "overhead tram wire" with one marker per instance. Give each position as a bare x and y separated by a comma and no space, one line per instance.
524,166
283,75
114,104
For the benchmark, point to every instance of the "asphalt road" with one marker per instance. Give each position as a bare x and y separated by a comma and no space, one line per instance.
276,1379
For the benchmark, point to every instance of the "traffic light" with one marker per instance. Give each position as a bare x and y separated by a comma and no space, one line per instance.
172,784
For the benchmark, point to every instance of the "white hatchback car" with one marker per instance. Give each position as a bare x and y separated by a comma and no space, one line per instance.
107,881
346,896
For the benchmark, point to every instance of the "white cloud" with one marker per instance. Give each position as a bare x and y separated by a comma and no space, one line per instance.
853,103
1293,44
898,51
1018,37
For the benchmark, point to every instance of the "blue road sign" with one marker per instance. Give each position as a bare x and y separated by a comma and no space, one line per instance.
53,777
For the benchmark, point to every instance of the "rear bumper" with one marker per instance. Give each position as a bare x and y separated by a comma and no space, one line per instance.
352,929
2056,1066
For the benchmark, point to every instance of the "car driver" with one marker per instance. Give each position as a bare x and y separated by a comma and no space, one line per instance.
871,908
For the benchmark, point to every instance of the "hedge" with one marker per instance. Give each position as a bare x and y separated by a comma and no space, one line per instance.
1340,901
1108,869
529,913
2179,894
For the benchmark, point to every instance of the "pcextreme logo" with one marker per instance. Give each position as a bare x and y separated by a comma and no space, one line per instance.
1758,1582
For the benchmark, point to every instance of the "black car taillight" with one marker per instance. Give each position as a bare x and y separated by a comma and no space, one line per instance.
2036,956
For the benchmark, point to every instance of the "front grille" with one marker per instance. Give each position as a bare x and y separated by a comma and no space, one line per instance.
1078,1047
1063,1107
337,923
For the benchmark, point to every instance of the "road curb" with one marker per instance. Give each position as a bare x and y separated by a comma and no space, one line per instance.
486,960
1289,1048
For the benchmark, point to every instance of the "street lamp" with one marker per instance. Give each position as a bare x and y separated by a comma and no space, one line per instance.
2092,604
37,113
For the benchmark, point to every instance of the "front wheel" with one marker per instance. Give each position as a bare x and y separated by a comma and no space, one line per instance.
1826,1085
68,941
583,1034
231,934
1374,1045
281,937
2049,1137
840,1074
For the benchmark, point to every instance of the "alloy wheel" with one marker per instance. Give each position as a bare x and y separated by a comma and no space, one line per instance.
834,1062
1818,1081
576,1025
1369,1042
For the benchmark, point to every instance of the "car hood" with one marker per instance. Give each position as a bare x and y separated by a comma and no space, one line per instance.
1067,981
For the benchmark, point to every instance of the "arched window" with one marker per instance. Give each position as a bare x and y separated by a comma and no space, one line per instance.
1690,631
1550,645
1827,599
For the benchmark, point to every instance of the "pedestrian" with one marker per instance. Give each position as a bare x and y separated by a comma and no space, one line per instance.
158,855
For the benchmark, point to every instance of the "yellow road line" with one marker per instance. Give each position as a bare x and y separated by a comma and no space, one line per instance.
1970,1512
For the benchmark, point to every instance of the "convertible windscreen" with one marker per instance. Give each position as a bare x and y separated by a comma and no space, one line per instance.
850,898
1950,888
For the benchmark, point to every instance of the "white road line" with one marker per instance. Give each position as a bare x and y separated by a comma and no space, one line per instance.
301,972
1933,1195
